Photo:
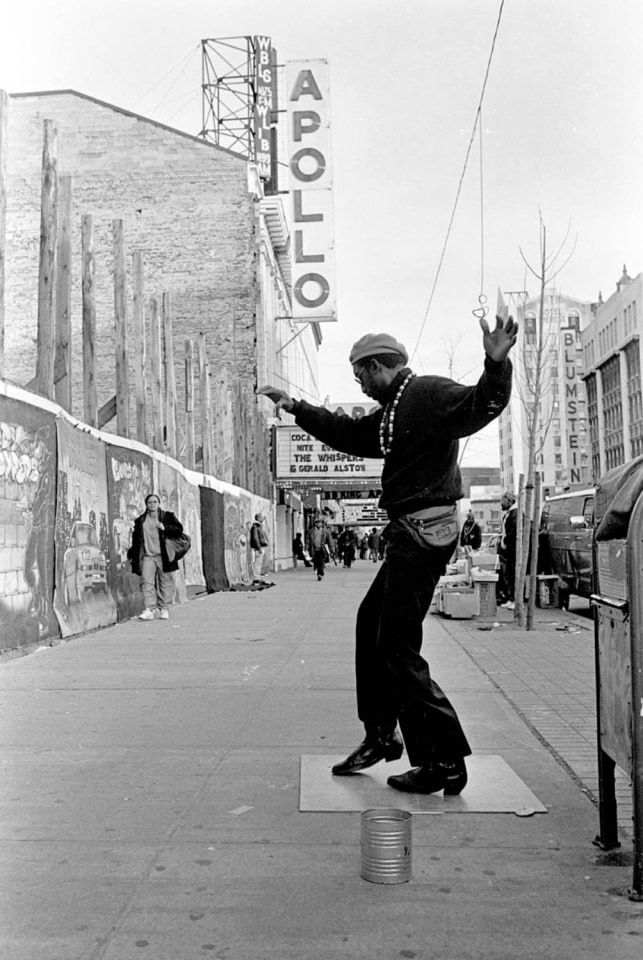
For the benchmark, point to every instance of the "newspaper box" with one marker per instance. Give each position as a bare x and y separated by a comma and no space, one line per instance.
618,636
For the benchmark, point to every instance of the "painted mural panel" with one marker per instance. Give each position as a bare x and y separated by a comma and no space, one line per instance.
190,517
240,509
27,520
167,487
82,599
129,480
236,535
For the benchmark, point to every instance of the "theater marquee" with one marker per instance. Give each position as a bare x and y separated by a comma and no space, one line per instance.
310,184
300,457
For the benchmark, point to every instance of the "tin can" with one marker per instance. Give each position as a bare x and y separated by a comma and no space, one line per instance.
386,845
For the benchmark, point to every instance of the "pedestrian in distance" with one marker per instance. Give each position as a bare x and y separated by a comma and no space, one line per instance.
346,544
471,535
258,544
415,429
149,557
363,547
320,545
298,551
507,551
374,545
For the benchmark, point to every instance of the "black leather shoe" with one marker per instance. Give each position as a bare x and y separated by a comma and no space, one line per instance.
450,777
372,749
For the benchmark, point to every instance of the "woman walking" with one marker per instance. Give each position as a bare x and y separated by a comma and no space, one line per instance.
149,557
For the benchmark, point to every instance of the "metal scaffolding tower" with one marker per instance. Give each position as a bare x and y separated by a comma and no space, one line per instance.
239,97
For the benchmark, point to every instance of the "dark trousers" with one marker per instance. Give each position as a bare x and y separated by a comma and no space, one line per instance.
319,561
507,578
394,683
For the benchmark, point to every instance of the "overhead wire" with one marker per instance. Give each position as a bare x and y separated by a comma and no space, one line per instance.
181,63
461,181
186,64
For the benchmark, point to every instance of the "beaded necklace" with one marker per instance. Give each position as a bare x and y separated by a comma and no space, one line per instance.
388,417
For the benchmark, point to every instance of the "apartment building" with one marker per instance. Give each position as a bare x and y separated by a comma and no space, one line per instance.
612,375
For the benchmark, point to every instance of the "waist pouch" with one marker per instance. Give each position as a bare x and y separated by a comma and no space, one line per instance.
433,526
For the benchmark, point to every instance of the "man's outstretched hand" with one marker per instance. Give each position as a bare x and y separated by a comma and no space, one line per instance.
280,399
498,342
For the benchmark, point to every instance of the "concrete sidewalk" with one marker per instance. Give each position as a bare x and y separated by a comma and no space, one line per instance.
151,793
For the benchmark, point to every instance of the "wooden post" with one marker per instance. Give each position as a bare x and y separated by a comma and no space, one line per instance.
47,266
519,573
156,379
170,379
206,407
90,399
138,282
4,149
120,330
62,362
533,528
189,404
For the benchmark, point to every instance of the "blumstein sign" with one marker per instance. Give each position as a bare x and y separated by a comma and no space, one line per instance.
311,183
301,457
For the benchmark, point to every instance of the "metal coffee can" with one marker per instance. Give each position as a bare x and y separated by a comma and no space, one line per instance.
386,845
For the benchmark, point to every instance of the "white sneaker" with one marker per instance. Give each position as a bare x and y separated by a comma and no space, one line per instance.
146,615
165,615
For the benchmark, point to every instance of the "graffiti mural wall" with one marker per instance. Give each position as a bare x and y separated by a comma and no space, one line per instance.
82,598
27,518
68,501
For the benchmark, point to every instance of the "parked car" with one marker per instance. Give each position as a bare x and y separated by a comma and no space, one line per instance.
84,563
565,539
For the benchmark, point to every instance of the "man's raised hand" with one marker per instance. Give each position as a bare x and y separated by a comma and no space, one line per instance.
280,399
499,341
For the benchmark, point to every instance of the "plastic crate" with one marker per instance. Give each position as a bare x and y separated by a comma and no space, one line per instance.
486,591
548,593
461,604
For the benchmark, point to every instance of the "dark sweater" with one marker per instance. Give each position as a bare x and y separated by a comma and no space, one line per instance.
421,469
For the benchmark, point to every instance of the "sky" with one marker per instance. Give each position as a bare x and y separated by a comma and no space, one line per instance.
561,139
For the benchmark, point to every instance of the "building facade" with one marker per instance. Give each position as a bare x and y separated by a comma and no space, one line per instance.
208,238
551,346
612,374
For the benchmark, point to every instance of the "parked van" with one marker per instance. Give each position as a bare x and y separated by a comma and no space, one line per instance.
565,541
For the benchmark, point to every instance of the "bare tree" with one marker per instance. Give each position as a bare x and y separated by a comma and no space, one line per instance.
534,388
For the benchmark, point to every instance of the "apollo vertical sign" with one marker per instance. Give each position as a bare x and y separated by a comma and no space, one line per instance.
263,105
309,161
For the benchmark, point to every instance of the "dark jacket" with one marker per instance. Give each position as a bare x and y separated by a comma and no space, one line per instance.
173,528
471,535
421,469
258,538
507,545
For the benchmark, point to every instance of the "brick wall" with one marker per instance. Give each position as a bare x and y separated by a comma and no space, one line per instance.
185,204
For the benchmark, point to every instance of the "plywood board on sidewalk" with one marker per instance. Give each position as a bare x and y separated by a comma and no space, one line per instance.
493,787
